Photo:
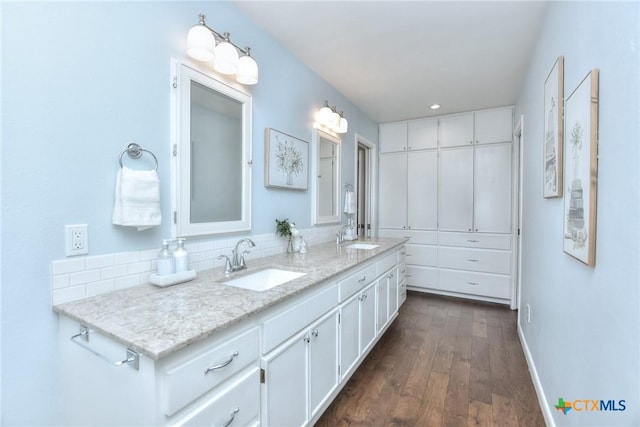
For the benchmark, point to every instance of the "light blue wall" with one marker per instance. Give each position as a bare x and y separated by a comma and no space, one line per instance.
584,331
79,81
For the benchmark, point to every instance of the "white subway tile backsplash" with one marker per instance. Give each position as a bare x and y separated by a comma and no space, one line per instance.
80,277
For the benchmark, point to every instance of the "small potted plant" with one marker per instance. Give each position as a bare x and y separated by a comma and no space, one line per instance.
283,229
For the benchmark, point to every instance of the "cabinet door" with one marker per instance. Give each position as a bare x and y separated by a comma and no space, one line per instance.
393,137
455,210
392,283
286,383
495,125
367,317
323,361
422,190
382,298
393,191
456,130
493,189
422,134
349,334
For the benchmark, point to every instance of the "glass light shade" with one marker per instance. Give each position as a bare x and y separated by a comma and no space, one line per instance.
344,125
335,120
201,43
324,115
226,58
247,70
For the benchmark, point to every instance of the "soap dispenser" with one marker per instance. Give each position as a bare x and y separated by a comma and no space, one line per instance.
181,257
165,263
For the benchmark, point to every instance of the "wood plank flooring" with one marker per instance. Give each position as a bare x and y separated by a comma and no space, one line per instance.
443,362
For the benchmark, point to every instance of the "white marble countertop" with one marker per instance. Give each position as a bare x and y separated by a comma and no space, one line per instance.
159,321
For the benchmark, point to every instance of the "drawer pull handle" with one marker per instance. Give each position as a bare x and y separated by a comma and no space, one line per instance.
402,272
223,364
402,253
314,333
407,237
473,260
473,240
390,276
473,283
363,279
230,420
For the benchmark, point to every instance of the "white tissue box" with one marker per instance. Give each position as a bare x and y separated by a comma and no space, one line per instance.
172,279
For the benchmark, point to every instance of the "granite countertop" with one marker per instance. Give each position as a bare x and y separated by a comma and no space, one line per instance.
159,321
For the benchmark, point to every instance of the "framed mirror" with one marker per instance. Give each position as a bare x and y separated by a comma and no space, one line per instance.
325,178
211,127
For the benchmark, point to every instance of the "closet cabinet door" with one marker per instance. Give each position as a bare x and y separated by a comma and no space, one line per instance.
493,188
393,190
422,190
455,210
422,134
393,137
495,125
456,131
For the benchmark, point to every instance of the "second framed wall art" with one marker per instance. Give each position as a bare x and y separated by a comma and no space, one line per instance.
553,129
286,161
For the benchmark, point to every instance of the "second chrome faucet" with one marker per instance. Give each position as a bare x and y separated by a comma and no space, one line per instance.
237,262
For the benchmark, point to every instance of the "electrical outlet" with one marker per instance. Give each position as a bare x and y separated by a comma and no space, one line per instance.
528,313
77,238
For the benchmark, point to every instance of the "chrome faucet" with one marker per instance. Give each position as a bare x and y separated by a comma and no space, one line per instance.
340,235
237,262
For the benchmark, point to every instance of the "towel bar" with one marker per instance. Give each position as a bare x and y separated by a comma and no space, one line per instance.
133,358
135,152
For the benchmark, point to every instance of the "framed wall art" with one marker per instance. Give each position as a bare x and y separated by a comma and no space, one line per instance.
553,130
581,170
286,161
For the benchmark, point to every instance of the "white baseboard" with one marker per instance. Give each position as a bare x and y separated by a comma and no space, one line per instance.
542,398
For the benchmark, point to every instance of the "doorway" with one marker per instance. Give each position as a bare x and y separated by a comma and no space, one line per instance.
365,186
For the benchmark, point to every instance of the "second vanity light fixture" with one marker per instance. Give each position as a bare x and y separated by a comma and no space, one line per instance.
330,118
207,45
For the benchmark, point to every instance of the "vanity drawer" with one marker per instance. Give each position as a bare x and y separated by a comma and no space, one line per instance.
484,260
467,282
243,394
414,236
402,272
422,277
356,281
387,262
475,240
426,255
284,325
189,379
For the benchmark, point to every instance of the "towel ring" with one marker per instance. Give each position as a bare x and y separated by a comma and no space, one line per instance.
135,152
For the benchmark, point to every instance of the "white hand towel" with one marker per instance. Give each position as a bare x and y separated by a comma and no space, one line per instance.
137,199
349,202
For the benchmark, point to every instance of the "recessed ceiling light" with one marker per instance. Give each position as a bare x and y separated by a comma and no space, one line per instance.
435,106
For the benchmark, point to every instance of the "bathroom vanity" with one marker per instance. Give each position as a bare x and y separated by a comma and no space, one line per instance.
208,353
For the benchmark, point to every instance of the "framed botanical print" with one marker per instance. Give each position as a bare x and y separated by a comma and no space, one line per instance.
581,170
553,130
286,161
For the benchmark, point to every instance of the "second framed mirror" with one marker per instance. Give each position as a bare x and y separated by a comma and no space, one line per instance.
325,178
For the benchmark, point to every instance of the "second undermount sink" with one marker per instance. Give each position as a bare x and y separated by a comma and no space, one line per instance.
365,246
264,279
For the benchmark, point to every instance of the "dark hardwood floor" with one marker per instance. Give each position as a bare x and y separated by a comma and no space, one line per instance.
443,362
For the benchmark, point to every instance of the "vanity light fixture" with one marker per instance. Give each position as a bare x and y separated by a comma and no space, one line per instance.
201,46
329,118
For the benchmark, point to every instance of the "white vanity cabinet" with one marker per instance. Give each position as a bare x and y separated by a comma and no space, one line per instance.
301,374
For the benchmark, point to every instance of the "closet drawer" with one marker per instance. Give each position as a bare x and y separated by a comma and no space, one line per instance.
189,379
414,236
356,281
489,285
426,255
485,260
240,402
475,240
422,277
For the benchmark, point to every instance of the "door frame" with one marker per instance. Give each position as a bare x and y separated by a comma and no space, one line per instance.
372,176
518,153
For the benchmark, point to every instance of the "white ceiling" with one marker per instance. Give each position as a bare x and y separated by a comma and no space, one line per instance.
393,59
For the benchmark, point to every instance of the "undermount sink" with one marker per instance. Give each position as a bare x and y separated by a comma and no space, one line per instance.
264,279
365,246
